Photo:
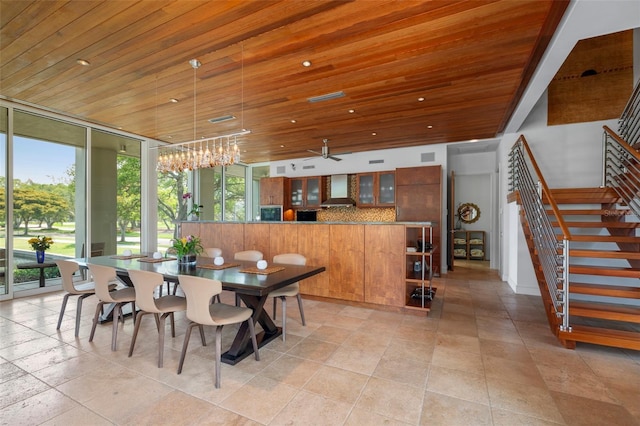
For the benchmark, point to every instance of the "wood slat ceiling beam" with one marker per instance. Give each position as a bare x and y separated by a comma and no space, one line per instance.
469,60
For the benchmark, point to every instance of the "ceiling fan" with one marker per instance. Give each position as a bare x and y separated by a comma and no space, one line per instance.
325,152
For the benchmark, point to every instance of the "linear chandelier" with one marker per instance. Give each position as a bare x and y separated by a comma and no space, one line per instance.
206,152
200,154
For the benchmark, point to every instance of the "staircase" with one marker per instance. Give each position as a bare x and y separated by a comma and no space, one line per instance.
604,268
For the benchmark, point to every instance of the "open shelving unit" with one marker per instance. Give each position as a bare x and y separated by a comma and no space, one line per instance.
419,266
469,245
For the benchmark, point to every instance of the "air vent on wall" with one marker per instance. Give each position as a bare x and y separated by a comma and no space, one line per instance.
308,167
427,157
376,161
222,118
280,170
326,97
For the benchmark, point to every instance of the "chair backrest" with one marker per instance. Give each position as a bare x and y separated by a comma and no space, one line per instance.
102,276
67,268
212,252
145,283
290,259
199,292
248,255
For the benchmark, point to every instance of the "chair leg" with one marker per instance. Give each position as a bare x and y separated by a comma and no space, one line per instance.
173,325
135,332
204,341
163,322
186,344
284,318
237,299
95,320
275,299
157,318
79,311
218,354
301,308
117,311
64,306
254,341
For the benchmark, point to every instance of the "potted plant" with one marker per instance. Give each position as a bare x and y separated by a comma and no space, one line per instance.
194,213
187,248
40,244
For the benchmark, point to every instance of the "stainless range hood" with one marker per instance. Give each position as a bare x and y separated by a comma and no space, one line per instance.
339,196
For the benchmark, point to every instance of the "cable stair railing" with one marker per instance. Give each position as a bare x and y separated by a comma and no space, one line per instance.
629,122
621,169
553,255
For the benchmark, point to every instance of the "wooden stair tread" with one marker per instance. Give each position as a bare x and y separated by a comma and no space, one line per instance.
608,311
583,196
588,212
602,239
604,271
602,336
617,225
604,254
605,290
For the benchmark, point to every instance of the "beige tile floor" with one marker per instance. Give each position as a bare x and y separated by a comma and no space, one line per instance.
483,356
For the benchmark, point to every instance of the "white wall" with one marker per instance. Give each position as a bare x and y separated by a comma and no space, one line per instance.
568,155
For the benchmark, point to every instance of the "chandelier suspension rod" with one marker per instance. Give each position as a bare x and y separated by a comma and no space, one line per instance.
213,138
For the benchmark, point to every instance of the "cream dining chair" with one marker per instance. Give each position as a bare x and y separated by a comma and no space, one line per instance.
67,269
212,252
102,277
292,290
145,284
199,292
247,256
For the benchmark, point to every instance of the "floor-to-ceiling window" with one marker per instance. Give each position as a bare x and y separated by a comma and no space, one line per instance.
4,289
48,157
115,193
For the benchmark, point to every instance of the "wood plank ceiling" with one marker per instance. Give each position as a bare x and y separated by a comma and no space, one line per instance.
468,60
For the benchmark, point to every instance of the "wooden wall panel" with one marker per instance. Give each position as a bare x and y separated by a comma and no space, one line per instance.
189,228
384,264
603,92
347,262
231,239
256,237
313,243
210,233
282,239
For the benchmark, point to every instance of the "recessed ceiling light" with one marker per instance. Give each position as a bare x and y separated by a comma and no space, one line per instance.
173,100
420,99
473,140
281,146
306,63
83,62
351,111
169,137
294,121
429,127
373,133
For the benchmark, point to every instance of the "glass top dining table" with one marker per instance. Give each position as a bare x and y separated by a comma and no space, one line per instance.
253,288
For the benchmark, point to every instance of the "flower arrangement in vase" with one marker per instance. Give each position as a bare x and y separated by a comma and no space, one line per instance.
187,248
40,244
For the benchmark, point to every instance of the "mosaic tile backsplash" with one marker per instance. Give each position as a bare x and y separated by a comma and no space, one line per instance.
354,214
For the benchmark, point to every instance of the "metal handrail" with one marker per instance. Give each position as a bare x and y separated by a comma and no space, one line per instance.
553,255
621,169
629,122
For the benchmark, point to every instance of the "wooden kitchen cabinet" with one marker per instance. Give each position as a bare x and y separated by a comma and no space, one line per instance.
346,244
419,199
313,243
375,189
307,192
384,265
273,190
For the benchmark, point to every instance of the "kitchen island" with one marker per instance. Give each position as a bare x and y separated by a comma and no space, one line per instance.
366,263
